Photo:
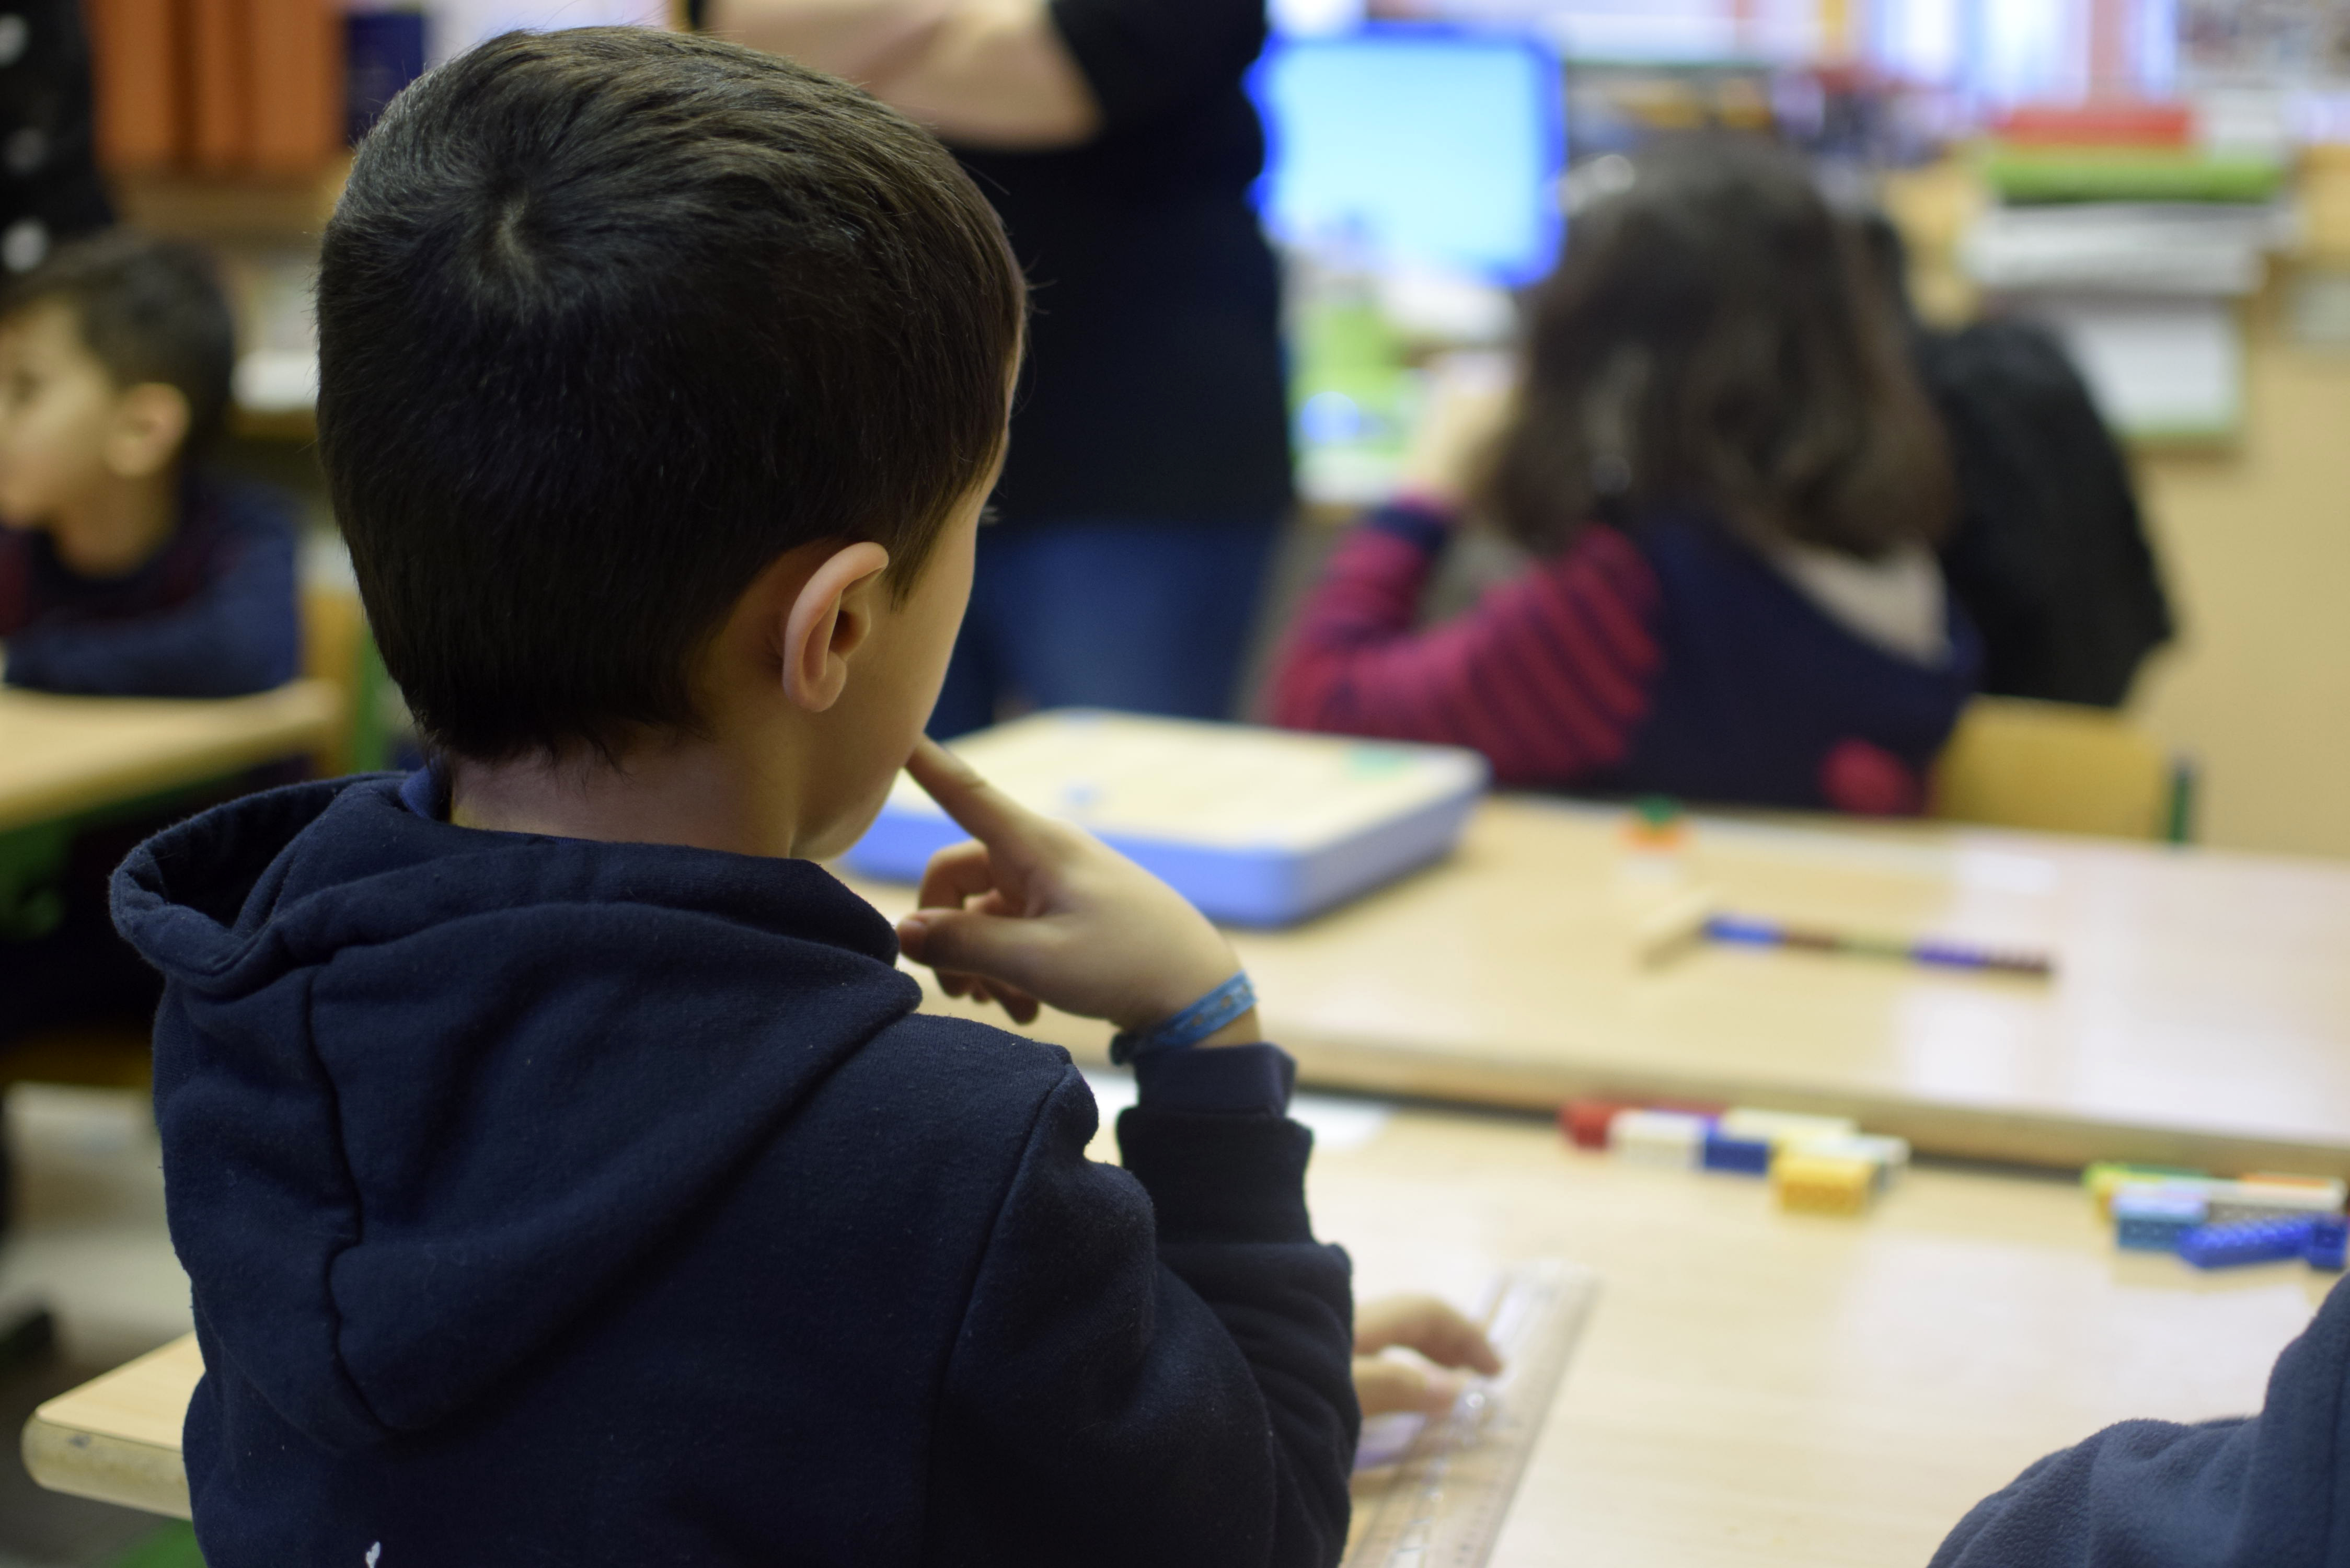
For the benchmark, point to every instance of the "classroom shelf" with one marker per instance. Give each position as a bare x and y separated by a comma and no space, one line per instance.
229,211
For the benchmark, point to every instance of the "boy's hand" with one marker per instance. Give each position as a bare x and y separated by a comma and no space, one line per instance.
1036,910
1437,1332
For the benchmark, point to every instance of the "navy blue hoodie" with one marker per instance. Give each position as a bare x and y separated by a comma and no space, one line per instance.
557,1201
2262,1491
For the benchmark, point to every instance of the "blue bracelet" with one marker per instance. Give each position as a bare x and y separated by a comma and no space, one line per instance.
1191,1027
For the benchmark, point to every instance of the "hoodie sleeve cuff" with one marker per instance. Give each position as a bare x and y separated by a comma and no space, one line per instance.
1219,1177
1227,1079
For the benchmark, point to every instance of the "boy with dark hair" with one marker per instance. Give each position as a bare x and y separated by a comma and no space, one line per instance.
124,570
562,1168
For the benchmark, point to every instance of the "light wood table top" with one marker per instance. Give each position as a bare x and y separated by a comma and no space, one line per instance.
63,755
1755,1388
2199,1015
116,1439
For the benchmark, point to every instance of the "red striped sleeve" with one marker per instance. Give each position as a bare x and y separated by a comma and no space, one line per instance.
1497,671
1618,676
1547,675
1619,590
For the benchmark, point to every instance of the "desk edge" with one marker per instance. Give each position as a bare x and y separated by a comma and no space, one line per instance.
2020,1135
292,736
119,1470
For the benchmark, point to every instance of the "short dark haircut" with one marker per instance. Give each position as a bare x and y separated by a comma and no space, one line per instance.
150,310
1715,337
611,318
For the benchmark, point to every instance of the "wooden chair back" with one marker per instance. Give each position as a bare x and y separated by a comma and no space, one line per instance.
2059,768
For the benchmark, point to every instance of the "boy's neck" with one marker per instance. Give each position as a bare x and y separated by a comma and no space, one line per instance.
119,526
690,793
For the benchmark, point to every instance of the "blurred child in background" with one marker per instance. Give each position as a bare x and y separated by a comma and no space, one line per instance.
125,570
1732,484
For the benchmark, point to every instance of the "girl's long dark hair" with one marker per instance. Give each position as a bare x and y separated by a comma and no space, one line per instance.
1713,337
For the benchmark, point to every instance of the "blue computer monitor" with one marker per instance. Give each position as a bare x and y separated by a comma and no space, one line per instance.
1415,146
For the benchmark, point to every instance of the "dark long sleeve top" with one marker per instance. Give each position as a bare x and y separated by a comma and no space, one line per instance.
1547,676
213,614
1666,657
1153,386
547,1200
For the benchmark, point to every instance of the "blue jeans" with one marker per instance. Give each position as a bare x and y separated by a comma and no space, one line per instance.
1152,618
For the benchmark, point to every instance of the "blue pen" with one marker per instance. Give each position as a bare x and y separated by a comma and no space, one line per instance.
1746,932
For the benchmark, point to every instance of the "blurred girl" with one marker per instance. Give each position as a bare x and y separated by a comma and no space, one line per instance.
1731,483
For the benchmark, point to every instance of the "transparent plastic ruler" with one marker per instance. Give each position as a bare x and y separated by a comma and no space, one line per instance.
1441,1504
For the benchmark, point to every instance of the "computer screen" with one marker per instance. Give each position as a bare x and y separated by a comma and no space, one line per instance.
1409,146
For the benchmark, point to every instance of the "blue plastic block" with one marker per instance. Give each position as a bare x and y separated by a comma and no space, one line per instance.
2329,1240
2153,1222
1748,1156
2259,1241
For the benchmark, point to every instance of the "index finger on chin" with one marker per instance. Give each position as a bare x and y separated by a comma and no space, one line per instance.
978,807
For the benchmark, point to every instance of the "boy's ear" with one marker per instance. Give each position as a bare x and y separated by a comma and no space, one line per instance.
150,424
829,618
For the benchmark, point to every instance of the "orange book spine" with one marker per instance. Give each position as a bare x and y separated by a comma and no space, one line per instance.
219,59
298,74
137,48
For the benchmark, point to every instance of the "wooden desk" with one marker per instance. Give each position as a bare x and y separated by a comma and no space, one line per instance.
1755,1388
60,757
116,1439
2200,1014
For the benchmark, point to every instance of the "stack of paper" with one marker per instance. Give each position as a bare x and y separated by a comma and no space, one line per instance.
2136,258
2208,248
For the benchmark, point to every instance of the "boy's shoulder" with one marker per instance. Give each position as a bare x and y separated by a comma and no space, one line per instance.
945,1081
413,936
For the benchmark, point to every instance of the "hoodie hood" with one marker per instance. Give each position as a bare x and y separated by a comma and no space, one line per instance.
428,1093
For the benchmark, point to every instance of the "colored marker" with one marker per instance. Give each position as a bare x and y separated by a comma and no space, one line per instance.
1747,932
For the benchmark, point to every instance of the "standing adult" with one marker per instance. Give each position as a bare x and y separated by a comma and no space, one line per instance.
1149,469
